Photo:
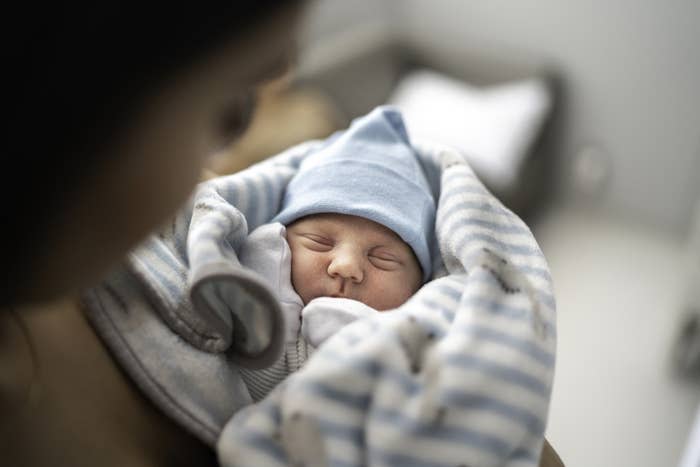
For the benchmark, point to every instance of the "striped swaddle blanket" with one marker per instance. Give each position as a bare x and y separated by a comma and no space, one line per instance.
461,374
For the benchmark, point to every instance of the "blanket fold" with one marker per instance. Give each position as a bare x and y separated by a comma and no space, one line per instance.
461,374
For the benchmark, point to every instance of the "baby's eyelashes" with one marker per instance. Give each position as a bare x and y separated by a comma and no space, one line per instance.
385,261
384,257
317,242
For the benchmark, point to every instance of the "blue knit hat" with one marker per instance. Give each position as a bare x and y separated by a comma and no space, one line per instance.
370,170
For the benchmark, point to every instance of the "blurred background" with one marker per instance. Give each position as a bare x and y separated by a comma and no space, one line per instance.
582,117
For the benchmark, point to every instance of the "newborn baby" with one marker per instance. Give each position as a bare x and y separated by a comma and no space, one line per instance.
336,255
352,238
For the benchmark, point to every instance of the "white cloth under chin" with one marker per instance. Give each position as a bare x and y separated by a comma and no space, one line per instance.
324,316
266,252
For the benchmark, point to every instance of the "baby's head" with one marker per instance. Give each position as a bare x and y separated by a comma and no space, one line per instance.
360,216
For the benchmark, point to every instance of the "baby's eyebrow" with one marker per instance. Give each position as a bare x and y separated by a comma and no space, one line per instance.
393,248
315,227
391,238
321,225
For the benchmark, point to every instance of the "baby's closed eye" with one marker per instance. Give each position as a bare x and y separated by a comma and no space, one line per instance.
317,242
385,260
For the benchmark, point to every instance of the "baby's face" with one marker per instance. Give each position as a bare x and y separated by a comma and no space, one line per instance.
335,255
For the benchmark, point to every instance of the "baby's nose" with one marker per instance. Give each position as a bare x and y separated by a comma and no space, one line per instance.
346,265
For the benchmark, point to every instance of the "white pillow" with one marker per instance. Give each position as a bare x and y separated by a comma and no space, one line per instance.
493,126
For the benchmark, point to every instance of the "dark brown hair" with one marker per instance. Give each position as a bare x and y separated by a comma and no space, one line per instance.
74,74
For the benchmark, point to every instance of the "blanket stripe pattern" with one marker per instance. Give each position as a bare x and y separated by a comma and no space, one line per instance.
460,375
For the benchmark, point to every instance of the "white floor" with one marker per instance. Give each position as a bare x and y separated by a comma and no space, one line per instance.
620,292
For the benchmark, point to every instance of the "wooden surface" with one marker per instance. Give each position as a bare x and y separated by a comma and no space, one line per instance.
283,117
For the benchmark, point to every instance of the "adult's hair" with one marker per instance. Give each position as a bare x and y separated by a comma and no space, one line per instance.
74,74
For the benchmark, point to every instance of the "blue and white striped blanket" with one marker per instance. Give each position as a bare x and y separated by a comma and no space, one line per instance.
461,374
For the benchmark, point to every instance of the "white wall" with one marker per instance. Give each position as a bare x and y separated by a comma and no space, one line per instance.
632,70
617,402
328,19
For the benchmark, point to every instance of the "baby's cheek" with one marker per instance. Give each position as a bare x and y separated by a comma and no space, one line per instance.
388,291
305,276
297,281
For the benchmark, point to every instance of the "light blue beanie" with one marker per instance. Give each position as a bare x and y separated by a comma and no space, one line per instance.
370,170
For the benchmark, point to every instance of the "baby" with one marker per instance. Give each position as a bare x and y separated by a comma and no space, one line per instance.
352,237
